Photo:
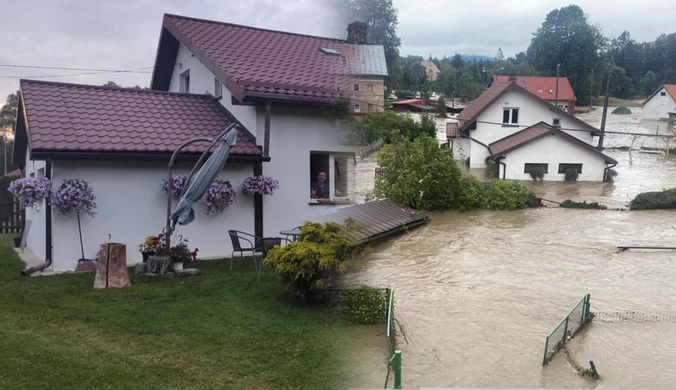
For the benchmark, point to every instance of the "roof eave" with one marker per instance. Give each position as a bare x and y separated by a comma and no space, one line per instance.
71,155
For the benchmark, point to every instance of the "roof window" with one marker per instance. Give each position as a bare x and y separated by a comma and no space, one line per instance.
540,91
550,91
326,50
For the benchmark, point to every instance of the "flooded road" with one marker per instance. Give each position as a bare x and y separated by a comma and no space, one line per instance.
477,293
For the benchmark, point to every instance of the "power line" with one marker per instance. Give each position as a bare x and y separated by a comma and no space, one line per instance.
66,68
74,74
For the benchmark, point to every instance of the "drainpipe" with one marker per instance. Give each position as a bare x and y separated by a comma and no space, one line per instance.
605,172
48,231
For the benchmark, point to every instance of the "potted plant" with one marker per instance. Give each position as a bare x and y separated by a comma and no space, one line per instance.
31,191
180,254
177,184
149,246
218,197
261,185
159,261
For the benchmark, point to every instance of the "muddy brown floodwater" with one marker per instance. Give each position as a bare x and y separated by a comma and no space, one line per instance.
477,293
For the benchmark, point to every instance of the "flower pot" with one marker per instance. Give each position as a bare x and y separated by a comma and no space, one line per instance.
178,266
146,255
17,242
158,264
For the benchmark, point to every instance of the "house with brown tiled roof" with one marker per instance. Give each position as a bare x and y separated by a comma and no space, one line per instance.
286,93
545,88
662,102
519,131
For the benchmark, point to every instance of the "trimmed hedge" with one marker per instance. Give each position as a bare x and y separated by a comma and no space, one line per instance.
654,200
569,204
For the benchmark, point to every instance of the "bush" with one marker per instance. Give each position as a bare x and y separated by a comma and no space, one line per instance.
569,204
533,200
622,110
307,265
654,200
611,174
5,195
537,173
491,168
365,305
497,195
388,126
571,174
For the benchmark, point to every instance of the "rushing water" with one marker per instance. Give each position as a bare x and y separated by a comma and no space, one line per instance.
477,293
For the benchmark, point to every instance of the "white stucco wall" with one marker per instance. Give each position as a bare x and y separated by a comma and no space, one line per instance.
658,107
461,148
35,239
530,113
132,206
294,133
553,150
202,81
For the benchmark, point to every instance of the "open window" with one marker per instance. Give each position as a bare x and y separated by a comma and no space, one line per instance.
185,81
510,116
330,177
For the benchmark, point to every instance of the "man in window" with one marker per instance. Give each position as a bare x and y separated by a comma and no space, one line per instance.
319,189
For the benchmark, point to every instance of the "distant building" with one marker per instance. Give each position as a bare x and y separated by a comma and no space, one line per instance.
426,105
431,69
367,69
520,131
544,88
660,103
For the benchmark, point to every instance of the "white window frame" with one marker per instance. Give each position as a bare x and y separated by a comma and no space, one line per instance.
554,124
218,88
511,116
332,176
663,93
357,108
185,86
356,87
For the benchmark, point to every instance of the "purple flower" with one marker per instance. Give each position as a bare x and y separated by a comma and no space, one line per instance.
218,197
264,185
31,191
74,195
177,184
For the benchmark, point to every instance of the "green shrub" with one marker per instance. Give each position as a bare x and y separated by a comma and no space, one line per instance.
537,173
569,204
5,195
365,305
506,195
307,265
611,174
533,201
654,200
387,125
571,174
491,168
622,110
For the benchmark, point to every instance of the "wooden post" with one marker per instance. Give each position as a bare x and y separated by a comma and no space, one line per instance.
111,270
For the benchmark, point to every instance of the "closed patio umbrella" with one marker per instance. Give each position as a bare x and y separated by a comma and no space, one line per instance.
198,184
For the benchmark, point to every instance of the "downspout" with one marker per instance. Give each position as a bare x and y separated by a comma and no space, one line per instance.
504,167
605,172
258,171
48,230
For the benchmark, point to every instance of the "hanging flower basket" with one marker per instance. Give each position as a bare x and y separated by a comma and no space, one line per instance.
74,195
218,197
31,191
177,184
263,185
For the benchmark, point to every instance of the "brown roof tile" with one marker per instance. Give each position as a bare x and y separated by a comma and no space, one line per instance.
71,117
535,132
259,63
670,88
541,86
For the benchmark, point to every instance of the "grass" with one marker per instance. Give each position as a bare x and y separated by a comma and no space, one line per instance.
616,102
219,330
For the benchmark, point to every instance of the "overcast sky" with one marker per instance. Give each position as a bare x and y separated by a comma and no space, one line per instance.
123,34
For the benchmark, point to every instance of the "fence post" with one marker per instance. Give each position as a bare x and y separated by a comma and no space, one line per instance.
397,369
544,359
565,329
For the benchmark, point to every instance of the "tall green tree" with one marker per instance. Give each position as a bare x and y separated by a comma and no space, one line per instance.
566,37
382,20
457,61
8,112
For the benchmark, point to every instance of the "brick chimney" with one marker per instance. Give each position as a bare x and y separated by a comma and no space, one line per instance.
512,79
356,33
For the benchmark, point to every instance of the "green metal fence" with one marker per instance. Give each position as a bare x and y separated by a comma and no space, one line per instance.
395,355
567,327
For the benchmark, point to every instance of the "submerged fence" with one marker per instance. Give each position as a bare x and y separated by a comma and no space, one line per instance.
395,355
567,327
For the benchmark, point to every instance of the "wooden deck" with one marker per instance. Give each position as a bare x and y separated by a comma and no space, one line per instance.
373,220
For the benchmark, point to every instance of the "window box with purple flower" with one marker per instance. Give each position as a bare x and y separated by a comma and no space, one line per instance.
263,185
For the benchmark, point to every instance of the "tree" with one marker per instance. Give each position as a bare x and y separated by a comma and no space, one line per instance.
415,78
441,107
8,112
381,17
648,83
457,61
112,84
620,85
567,38
499,58
468,87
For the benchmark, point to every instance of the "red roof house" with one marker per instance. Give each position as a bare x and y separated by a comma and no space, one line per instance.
544,88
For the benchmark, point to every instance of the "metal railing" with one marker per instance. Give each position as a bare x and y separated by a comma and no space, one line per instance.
576,318
395,355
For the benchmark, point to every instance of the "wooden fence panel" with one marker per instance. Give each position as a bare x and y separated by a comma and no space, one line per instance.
12,217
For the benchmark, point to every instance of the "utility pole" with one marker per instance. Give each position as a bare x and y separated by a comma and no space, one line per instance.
605,104
556,101
591,91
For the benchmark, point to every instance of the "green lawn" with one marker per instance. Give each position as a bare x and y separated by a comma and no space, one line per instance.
218,330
